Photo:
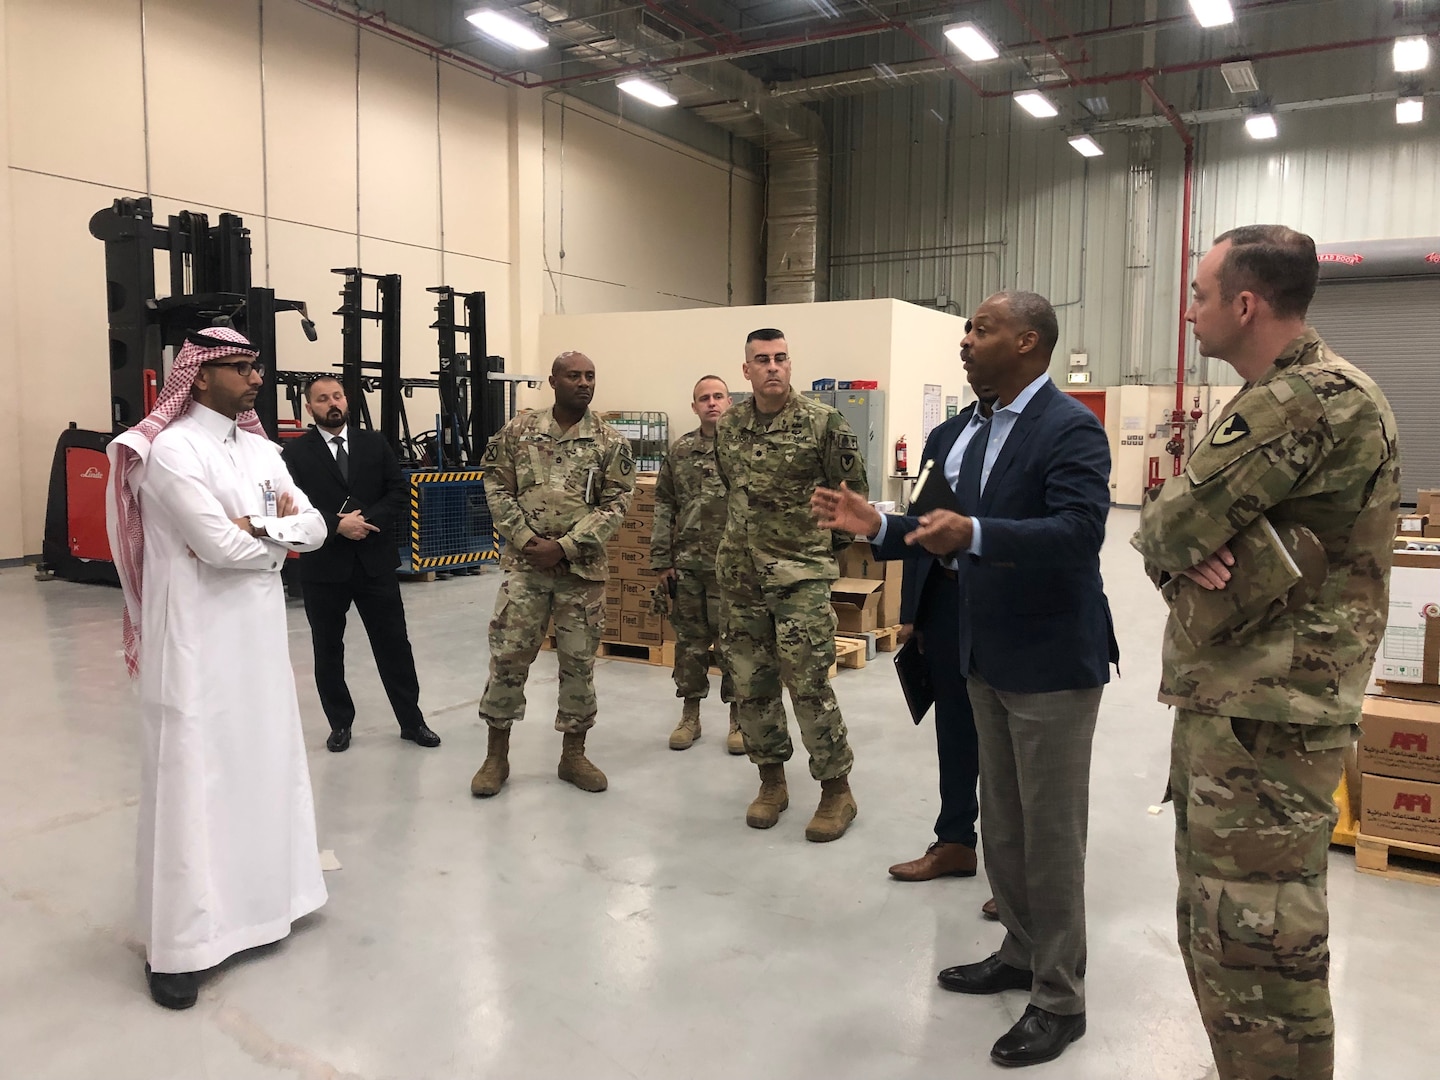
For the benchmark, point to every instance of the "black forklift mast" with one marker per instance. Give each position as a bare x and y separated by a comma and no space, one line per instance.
353,365
472,406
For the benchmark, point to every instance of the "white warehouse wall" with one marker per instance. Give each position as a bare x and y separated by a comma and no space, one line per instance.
339,147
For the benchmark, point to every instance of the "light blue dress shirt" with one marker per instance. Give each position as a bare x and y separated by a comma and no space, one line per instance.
1001,424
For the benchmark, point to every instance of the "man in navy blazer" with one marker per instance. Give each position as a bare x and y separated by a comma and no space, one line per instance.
1035,642
930,611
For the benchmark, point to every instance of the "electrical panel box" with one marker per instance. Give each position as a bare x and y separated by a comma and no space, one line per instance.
864,411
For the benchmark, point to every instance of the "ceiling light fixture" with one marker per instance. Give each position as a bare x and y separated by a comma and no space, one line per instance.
1412,54
1409,110
968,38
1210,13
649,92
1036,104
1085,146
1261,125
505,30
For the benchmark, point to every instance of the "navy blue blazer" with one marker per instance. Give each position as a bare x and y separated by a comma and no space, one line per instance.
1033,613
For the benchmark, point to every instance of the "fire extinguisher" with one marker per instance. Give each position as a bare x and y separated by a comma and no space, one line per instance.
902,457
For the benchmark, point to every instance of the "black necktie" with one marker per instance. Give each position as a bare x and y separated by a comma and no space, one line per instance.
972,465
341,457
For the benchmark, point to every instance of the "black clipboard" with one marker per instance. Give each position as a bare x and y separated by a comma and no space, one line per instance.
914,676
931,491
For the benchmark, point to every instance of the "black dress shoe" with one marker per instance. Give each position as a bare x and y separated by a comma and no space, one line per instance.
420,735
174,991
989,976
339,740
1037,1036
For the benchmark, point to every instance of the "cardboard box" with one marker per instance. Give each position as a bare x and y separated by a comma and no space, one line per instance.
636,602
1432,528
633,565
1413,524
1398,809
1408,691
1400,739
1427,501
613,597
858,561
638,628
1410,650
857,603
643,504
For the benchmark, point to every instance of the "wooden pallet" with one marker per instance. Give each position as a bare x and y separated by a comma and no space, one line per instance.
657,655
850,652
887,638
1373,855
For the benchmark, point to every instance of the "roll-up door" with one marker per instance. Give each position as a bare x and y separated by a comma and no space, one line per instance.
1391,331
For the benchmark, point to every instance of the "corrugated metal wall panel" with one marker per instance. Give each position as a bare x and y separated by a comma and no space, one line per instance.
938,193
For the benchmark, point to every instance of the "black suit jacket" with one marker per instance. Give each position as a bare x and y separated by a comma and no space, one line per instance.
1034,616
376,487
919,562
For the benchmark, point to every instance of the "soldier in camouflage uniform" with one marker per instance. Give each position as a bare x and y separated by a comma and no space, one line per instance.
558,482
775,567
1262,721
689,519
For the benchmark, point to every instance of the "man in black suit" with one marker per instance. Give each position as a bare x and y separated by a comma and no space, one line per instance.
930,610
1035,643
351,476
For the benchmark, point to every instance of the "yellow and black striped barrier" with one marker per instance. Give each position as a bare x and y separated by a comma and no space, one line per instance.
419,562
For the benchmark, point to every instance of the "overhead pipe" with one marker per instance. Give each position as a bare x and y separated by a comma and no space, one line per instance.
1176,445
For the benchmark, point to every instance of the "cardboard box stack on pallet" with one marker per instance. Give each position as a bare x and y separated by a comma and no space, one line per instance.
1399,752
1424,523
867,596
628,615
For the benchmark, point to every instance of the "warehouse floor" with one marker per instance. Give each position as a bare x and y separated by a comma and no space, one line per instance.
645,932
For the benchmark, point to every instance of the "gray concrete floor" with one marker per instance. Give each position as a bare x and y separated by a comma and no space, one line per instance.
645,932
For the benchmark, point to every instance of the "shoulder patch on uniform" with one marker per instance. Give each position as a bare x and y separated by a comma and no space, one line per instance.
846,440
627,463
1231,431
492,451
847,461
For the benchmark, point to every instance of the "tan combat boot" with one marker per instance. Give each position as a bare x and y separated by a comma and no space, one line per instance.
575,767
688,730
496,768
774,797
835,812
735,741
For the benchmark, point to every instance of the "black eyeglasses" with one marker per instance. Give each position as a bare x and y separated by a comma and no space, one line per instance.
243,368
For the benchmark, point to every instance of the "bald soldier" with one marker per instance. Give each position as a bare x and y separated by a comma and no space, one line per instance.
558,481
1307,454
775,566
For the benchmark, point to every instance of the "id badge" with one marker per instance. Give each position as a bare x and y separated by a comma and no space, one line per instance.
272,499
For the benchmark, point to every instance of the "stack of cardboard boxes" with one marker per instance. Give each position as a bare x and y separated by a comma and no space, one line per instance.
628,615
1399,752
1425,521
867,596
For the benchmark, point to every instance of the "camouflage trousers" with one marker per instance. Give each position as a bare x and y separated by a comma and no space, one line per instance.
695,615
526,603
785,635
1254,809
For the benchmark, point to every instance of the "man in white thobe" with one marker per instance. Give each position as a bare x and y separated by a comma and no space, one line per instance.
201,514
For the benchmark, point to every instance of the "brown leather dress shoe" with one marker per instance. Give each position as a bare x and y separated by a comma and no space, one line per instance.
990,910
941,859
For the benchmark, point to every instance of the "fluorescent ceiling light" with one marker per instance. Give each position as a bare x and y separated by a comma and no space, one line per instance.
1262,126
648,92
1212,12
1409,110
969,40
505,30
1240,77
1085,146
1412,54
1036,104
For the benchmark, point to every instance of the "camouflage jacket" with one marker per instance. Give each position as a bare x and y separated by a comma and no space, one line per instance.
689,506
1312,442
572,486
771,466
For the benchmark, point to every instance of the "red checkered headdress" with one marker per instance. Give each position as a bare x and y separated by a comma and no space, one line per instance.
129,452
